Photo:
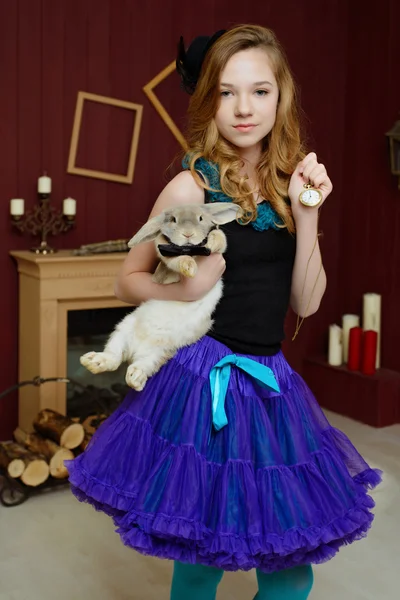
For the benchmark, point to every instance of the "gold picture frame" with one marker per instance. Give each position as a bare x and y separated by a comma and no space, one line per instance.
73,169
149,91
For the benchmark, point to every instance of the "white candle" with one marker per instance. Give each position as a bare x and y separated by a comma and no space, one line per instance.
348,321
44,185
372,319
17,207
335,355
69,207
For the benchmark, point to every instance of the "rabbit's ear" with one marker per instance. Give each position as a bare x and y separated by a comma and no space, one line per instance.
222,212
148,232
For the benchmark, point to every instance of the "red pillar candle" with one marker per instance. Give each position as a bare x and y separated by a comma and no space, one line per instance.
355,344
370,345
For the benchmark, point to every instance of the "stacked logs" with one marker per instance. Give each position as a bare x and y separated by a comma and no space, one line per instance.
34,457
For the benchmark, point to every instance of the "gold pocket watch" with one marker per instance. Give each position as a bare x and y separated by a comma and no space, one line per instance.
310,196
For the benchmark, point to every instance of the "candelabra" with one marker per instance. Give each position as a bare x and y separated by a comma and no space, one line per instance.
43,220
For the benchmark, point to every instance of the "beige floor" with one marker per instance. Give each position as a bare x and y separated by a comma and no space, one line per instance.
53,547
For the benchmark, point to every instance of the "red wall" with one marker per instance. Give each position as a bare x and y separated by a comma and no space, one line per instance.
344,55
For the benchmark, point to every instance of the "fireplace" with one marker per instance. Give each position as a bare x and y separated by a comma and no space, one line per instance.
89,330
52,289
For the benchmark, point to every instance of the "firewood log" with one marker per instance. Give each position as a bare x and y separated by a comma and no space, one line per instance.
93,422
54,453
86,440
59,428
10,459
31,468
37,471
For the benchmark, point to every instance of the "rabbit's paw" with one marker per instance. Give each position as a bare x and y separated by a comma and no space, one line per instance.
98,362
136,378
216,241
187,266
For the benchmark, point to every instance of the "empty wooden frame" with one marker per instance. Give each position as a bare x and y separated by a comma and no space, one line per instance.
72,168
149,91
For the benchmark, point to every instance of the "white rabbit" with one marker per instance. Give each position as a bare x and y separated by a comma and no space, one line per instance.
149,336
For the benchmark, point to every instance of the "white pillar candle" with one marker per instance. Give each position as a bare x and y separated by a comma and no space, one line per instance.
17,207
335,355
372,319
348,321
44,185
69,207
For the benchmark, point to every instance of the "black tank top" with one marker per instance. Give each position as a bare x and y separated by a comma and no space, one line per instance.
250,317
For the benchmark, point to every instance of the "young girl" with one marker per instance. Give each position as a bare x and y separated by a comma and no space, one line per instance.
258,478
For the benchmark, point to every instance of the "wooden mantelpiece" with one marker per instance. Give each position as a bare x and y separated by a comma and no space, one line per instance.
50,286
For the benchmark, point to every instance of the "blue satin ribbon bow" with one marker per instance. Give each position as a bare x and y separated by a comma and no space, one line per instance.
219,380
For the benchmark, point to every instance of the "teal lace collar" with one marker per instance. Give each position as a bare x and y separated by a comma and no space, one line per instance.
267,218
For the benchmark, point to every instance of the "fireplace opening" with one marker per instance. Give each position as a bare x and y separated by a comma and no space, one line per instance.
101,393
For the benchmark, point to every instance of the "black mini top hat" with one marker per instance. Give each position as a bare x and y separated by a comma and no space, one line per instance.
189,62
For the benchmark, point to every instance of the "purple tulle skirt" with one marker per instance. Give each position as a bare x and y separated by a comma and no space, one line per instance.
275,488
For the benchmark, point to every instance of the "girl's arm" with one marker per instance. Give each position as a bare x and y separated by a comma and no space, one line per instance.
305,298
309,278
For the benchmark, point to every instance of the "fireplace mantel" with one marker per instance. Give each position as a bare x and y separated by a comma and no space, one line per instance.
50,286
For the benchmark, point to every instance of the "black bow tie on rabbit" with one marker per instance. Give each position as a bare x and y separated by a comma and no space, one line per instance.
171,249
188,250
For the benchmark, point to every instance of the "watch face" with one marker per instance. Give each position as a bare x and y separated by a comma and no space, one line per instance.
310,197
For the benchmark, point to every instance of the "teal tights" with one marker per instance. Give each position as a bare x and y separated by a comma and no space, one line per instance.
292,584
196,582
